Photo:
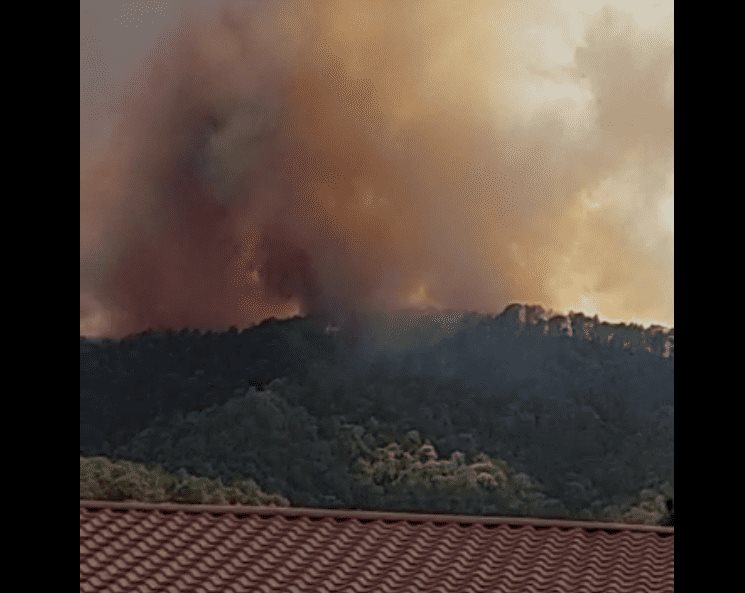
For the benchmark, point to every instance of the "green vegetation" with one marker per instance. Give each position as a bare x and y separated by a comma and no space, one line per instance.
410,475
649,508
102,479
433,413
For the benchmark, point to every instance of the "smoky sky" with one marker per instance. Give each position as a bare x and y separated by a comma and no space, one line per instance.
241,160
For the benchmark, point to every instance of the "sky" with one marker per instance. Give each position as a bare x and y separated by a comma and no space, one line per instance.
512,152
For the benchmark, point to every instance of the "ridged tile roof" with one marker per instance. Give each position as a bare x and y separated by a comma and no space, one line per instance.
138,547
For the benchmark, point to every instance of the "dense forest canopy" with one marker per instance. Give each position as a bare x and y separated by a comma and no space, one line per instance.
520,413
103,479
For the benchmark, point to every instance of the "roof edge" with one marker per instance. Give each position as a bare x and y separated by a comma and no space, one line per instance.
370,515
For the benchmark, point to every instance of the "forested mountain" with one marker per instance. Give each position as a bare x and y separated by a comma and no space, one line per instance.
519,413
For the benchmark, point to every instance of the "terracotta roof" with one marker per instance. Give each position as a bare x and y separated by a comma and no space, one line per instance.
199,548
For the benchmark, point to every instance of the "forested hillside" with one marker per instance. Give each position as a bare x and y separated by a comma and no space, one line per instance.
519,413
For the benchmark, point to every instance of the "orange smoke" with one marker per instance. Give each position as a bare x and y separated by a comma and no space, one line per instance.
336,156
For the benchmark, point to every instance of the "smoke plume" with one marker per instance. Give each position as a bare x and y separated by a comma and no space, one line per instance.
331,157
